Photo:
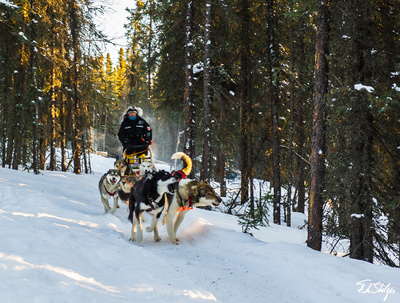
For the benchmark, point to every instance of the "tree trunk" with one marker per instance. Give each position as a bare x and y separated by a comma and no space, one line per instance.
221,172
314,239
33,91
221,154
149,53
361,239
244,95
76,109
52,94
189,109
15,148
5,105
63,126
274,95
206,160
289,202
301,192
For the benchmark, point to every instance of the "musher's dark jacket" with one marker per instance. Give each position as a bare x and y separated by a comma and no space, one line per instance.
135,132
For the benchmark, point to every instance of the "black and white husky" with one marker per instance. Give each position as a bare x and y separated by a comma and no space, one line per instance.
108,187
148,194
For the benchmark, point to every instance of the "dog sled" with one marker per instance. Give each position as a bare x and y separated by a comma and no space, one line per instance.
136,158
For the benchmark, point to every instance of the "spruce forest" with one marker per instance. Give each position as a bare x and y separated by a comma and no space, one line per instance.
302,94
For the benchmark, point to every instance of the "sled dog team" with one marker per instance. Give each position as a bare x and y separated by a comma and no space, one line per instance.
155,192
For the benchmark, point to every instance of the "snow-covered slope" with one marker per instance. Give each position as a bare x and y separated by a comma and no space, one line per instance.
56,245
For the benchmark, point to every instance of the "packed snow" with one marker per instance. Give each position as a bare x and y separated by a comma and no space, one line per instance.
57,245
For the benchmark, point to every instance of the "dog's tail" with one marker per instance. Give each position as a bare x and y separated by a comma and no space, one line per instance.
187,168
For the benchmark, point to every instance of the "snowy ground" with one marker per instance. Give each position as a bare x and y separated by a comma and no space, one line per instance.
56,245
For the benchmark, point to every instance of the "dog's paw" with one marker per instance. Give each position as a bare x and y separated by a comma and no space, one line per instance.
157,239
148,229
132,239
176,242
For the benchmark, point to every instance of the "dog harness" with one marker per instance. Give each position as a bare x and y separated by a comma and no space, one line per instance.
111,194
126,182
183,207
151,201
179,174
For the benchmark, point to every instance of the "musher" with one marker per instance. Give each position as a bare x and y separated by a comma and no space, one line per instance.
135,133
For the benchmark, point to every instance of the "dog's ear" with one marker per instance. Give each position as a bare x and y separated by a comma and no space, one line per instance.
194,190
117,158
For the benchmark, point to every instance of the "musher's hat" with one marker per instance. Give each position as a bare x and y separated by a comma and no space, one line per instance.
132,109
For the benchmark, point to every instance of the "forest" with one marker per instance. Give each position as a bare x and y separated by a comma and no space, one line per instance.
302,94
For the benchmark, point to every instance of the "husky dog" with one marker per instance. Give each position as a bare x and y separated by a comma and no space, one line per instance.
128,178
122,166
187,193
108,187
125,186
148,194
146,167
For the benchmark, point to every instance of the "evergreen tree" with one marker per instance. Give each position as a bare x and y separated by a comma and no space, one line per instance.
358,102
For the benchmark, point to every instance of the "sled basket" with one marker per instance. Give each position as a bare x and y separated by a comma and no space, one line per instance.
136,158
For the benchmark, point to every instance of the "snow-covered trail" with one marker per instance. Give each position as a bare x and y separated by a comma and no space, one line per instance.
56,245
